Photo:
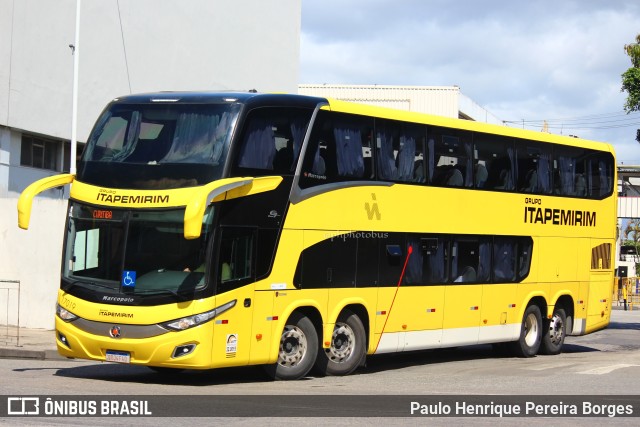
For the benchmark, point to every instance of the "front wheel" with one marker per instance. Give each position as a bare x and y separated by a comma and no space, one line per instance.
554,333
530,333
297,350
348,347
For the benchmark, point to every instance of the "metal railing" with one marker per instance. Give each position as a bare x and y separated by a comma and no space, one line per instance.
10,334
628,287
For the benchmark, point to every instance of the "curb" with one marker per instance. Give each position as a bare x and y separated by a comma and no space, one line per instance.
20,353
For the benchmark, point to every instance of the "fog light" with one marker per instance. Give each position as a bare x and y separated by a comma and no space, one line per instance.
183,350
63,339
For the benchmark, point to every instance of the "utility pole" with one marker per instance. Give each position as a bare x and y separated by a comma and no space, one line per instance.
75,50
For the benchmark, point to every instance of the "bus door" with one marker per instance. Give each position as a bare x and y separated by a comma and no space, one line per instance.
463,294
235,274
413,307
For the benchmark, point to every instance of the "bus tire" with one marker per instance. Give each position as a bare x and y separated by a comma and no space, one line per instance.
530,333
297,350
554,333
348,347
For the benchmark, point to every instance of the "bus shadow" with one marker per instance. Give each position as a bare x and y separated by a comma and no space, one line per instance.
624,326
386,362
144,375
577,348
255,374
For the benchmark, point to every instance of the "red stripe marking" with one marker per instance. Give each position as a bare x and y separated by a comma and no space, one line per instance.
409,252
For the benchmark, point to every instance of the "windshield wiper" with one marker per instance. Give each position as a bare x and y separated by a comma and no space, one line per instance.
180,296
90,283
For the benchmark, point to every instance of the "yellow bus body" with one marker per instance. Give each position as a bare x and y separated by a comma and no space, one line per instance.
568,262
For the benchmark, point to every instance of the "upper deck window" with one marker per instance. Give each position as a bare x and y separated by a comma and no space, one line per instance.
158,146
270,141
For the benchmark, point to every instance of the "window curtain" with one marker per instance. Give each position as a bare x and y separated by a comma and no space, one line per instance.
386,161
436,265
513,162
258,148
349,152
406,158
198,138
504,261
544,174
567,175
484,261
297,132
468,166
413,274
454,260
132,138
431,162
604,177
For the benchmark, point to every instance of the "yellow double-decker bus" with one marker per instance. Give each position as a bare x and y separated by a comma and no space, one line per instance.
209,230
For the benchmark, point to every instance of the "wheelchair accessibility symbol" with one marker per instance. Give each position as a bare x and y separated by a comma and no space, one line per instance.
128,279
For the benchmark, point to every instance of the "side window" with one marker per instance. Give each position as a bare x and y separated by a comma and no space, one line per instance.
236,258
495,164
400,151
340,149
525,248
393,252
414,271
452,160
367,259
266,247
330,263
534,168
566,175
435,258
600,175
504,259
465,260
270,141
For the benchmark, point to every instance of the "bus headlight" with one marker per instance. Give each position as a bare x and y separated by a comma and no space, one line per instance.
65,314
197,319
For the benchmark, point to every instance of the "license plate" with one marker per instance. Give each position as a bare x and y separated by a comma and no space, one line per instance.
118,356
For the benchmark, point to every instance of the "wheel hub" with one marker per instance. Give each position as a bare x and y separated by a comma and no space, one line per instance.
531,330
556,329
342,342
293,346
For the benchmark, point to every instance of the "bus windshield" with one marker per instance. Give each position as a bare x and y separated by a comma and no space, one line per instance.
150,146
134,252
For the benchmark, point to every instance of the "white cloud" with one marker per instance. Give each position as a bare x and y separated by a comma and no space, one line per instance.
520,59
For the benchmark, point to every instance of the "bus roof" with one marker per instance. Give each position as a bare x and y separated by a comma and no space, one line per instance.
254,99
249,98
470,125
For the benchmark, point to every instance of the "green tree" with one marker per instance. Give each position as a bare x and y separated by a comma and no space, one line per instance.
631,77
632,232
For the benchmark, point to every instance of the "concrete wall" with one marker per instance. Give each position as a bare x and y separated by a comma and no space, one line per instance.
32,257
161,45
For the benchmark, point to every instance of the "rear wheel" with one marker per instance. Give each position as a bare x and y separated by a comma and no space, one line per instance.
298,349
348,347
530,333
554,333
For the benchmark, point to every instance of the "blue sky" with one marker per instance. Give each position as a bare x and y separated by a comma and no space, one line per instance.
558,61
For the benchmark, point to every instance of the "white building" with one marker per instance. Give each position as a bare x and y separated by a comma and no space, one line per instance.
445,101
125,47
